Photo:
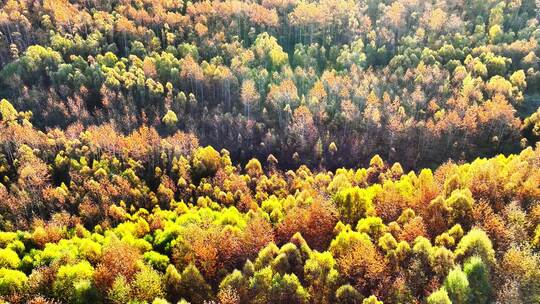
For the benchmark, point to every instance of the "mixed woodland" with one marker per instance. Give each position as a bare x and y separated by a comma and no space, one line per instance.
270,151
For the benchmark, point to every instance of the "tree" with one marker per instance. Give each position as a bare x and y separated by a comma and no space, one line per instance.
12,281
518,79
235,282
302,130
283,96
269,52
228,296
118,259
254,168
7,111
171,282
355,203
287,288
362,263
250,97
120,291
476,243
479,281
147,285
170,119
320,272
346,294
332,148
495,33
371,300
460,204
373,226
9,259
74,283
536,240
439,296
395,14
193,286
531,127
437,20
205,163
457,285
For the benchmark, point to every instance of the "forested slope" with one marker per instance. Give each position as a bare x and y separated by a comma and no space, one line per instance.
270,151
103,217
416,82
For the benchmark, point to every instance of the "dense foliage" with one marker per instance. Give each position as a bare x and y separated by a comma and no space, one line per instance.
270,151
329,82
99,217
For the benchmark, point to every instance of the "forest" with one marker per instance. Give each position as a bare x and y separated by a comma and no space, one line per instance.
270,151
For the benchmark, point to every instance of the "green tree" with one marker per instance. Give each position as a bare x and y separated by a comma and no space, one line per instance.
439,296
156,260
171,282
373,226
321,274
287,288
120,291
193,287
74,283
457,285
476,243
260,284
9,259
460,204
147,285
253,168
355,203
346,294
271,54
237,282
479,281
12,281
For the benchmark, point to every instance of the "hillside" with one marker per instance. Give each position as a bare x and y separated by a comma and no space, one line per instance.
270,151
415,82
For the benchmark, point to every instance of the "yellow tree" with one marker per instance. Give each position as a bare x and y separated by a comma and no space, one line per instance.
249,96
